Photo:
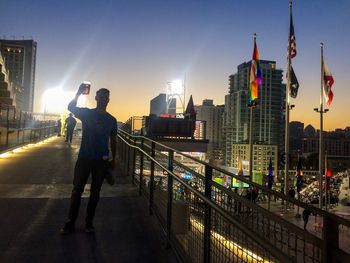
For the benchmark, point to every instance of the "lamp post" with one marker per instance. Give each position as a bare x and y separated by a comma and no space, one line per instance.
321,111
286,171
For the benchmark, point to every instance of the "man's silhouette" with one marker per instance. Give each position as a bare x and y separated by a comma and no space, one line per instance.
99,127
69,124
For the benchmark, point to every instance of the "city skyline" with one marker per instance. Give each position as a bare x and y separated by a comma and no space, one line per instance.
135,47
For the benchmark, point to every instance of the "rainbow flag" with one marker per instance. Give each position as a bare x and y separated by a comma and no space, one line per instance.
255,74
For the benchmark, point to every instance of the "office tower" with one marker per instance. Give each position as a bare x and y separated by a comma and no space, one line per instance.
296,135
212,115
158,105
261,159
268,117
20,60
6,93
310,131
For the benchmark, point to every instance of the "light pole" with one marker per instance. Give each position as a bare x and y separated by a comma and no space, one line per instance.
321,111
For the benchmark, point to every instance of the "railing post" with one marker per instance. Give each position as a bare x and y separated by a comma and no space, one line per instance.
207,214
141,168
330,236
7,126
128,162
121,156
124,154
40,130
133,163
19,126
24,127
170,195
151,183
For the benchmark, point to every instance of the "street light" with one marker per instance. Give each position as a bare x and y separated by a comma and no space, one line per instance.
321,111
175,90
55,100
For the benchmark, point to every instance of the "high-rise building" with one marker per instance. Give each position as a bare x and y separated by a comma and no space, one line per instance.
10,92
20,60
6,92
158,105
268,116
261,159
296,135
213,116
310,131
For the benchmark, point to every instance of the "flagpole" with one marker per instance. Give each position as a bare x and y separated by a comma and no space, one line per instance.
298,214
326,179
320,144
251,143
251,106
286,138
320,147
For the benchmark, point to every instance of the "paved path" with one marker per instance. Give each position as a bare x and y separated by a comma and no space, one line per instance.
35,186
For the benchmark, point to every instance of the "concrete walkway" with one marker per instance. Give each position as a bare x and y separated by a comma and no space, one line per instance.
35,186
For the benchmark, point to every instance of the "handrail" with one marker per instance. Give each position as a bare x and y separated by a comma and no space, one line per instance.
251,234
313,209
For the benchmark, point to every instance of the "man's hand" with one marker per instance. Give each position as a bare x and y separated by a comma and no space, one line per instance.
73,104
81,89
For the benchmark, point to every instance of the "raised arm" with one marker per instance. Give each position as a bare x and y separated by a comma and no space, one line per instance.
72,106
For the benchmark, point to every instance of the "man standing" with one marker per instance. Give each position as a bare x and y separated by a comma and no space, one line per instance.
69,124
99,127
59,127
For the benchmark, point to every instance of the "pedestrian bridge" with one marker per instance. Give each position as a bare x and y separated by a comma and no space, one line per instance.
35,186
160,210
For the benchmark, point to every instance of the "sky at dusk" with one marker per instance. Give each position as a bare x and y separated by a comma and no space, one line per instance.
135,47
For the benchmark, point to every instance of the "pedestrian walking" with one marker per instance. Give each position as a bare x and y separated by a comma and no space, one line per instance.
69,125
99,127
59,127
306,215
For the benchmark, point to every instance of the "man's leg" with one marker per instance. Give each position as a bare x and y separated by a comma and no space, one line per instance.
70,135
98,170
81,174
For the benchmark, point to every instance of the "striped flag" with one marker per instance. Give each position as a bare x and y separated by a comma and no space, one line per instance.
328,83
292,41
255,74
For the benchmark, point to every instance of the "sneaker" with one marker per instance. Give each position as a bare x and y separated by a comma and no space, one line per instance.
68,228
89,228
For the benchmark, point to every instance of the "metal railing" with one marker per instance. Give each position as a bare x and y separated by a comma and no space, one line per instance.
19,127
207,222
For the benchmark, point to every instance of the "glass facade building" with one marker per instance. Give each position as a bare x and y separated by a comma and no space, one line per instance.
20,60
268,115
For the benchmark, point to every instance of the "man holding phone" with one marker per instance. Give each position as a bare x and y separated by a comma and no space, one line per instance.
99,128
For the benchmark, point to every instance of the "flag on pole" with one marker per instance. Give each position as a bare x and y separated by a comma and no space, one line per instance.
328,178
270,175
292,40
328,83
190,111
299,176
255,74
294,84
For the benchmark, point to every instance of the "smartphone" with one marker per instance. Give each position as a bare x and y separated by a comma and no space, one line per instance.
87,86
